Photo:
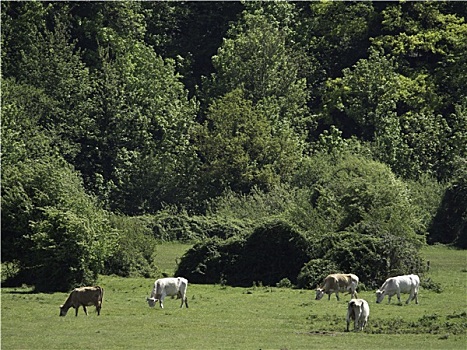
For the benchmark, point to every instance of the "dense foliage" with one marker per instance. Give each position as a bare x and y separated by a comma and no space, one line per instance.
339,119
270,253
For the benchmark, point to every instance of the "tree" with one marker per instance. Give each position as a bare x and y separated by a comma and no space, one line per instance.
337,34
395,113
190,33
240,147
351,193
140,148
56,233
259,57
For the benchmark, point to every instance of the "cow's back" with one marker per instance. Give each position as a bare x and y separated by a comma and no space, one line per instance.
345,280
408,282
169,285
88,296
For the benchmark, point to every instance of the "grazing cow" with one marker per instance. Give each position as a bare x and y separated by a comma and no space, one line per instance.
397,285
84,296
169,286
358,310
338,283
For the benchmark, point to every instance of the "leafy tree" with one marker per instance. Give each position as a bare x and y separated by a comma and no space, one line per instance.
259,57
141,145
53,230
378,104
240,147
21,22
429,37
95,22
51,63
190,33
355,194
337,34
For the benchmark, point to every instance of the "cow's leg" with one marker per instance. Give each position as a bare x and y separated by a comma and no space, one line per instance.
329,296
98,309
85,310
389,299
349,317
337,296
409,298
76,310
399,296
357,313
186,301
416,297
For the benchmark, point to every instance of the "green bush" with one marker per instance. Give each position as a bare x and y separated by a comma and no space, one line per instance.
136,251
273,251
58,235
314,272
172,224
210,261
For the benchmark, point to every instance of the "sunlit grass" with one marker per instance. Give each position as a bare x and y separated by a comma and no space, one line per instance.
221,317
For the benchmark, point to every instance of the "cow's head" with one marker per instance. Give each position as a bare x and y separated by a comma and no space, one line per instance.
379,296
151,301
319,293
63,311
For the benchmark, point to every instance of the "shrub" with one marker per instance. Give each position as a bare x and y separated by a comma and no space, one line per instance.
449,225
210,261
314,272
284,283
58,234
136,250
171,224
273,251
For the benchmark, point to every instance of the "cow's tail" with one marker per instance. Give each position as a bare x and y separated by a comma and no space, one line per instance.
101,293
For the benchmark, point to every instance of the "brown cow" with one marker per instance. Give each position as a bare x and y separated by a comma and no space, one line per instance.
84,296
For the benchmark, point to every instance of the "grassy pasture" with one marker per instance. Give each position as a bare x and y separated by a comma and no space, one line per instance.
241,318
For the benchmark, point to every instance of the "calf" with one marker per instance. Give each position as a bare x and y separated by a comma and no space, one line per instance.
170,286
358,310
84,296
397,285
338,283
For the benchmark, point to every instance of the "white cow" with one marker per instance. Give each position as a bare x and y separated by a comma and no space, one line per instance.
358,310
397,285
171,286
336,283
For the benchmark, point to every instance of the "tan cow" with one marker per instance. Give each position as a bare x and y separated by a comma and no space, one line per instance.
358,310
84,296
336,283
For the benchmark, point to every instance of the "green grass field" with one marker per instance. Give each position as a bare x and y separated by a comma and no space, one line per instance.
241,318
